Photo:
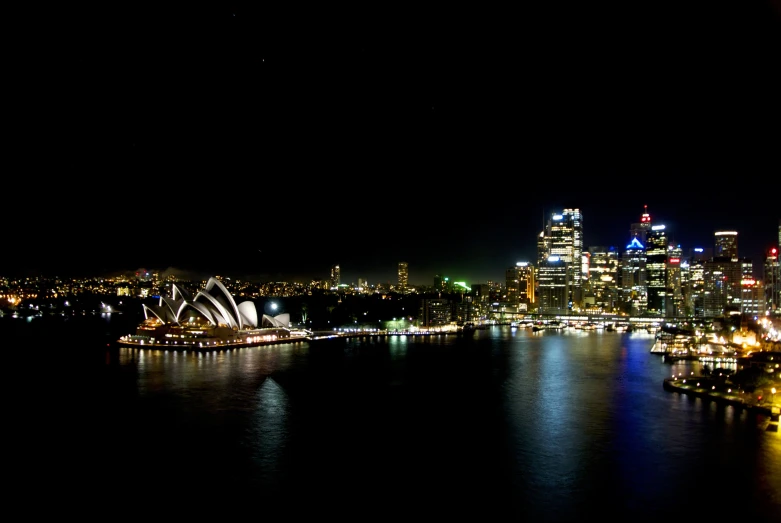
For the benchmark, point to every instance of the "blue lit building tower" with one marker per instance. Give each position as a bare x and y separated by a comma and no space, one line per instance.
640,229
634,292
634,277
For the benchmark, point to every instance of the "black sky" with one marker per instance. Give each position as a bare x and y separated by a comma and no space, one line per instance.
276,141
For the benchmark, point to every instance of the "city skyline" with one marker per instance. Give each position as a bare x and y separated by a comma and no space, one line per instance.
259,144
500,239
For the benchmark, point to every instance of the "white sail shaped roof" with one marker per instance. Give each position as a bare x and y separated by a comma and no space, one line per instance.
281,320
214,303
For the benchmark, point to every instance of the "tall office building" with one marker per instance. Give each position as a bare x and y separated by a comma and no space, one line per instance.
526,284
585,267
336,277
519,285
773,275
726,244
752,298
442,283
634,276
554,284
543,246
560,245
640,229
603,279
772,280
511,285
723,276
656,269
675,304
403,277
435,312
634,280
693,271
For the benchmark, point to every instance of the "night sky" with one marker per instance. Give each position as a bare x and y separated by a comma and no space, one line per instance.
272,142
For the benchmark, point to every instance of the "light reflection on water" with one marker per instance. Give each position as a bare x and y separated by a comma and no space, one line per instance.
551,425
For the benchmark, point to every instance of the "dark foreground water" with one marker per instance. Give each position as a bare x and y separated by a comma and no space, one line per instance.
552,426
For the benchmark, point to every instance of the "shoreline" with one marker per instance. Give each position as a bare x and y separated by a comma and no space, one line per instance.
241,344
743,400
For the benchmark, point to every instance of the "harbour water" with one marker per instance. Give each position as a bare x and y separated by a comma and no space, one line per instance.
502,422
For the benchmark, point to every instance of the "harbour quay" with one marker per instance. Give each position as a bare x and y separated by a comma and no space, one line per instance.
715,389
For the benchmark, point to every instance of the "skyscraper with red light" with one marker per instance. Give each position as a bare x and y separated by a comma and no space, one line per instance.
640,229
772,280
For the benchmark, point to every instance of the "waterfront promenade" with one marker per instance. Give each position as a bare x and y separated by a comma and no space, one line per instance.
762,402
258,341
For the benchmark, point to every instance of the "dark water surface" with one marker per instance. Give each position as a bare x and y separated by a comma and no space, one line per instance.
551,426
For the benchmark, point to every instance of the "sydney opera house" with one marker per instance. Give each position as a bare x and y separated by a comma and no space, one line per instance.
210,319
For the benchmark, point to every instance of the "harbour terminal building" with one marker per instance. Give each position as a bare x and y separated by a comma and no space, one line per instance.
211,318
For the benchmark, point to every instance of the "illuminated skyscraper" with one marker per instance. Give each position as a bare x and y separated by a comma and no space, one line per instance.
526,283
726,244
772,280
634,288
403,277
656,268
723,276
511,285
336,277
519,285
675,304
640,229
603,278
561,246
693,271
634,273
553,277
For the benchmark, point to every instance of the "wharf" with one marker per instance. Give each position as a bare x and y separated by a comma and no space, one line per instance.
239,343
704,387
